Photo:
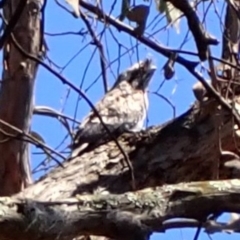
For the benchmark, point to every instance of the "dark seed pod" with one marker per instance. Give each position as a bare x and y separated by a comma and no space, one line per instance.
168,68
138,14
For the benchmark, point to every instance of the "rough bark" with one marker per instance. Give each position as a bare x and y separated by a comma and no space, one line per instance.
16,96
183,150
127,216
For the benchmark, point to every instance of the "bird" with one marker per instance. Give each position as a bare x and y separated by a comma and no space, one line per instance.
123,108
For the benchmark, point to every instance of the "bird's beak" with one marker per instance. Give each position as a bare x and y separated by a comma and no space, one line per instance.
149,69
149,66
140,73
152,68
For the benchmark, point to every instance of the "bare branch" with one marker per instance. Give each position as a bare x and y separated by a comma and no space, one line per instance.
189,65
20,135
100,49
201,37
167,52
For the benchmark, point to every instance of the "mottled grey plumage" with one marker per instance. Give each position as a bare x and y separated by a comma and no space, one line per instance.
122,109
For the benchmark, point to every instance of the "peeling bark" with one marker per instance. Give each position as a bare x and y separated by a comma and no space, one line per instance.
16,96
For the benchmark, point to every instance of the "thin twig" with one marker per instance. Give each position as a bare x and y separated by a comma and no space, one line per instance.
47,111
43,110
167,52
100,49
189,65
198,231
81,32
30,139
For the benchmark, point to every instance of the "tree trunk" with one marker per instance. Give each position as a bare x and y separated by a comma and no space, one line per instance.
16,96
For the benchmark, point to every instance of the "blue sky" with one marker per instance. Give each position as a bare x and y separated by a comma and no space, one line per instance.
49,91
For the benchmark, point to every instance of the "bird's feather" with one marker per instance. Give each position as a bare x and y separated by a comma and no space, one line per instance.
122,109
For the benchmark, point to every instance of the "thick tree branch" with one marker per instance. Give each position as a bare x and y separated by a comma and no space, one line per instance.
127,216
160,155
